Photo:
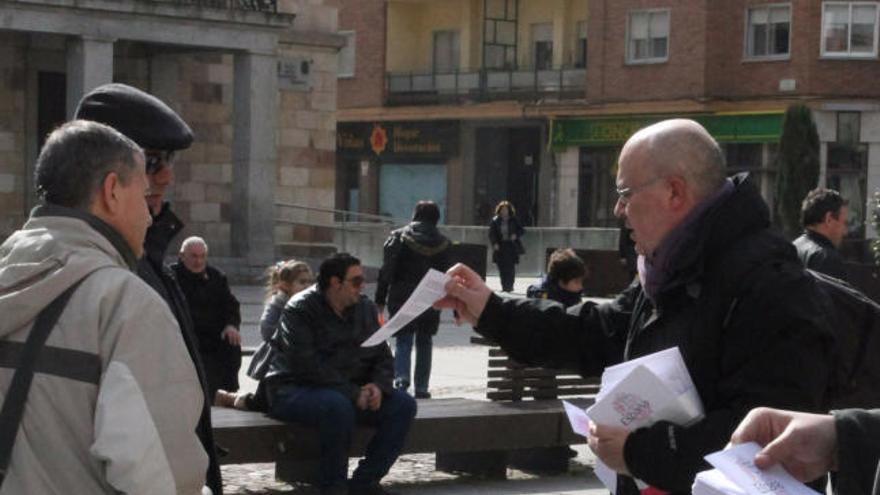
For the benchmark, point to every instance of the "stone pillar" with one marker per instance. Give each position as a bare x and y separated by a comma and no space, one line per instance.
254,157
567,170
89,65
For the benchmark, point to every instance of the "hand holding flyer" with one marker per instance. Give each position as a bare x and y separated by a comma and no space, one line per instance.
735,473
431,288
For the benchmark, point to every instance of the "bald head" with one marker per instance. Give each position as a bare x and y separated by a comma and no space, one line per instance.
683,148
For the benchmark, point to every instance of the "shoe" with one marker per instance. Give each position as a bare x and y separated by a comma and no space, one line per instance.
423,395
371,489
223,398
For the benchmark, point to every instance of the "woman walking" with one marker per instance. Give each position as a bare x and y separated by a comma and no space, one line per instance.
505,235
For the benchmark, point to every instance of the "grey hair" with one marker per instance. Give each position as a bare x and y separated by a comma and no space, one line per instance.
193,241
77,157
684,148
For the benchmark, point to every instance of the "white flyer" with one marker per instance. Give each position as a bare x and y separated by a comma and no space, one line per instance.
738,465
431,289
577,417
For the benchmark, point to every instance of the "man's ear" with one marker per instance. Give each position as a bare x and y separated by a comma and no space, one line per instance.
108,199
679,191
828,218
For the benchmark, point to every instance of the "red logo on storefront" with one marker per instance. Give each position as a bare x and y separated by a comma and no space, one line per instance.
378,139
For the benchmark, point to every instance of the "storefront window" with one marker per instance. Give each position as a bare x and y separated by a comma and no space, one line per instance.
848,169
596,194
758,160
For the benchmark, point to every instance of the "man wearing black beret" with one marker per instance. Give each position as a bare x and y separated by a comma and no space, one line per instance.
154,126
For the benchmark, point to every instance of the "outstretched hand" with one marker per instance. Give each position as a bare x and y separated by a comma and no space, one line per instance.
805,444
466,294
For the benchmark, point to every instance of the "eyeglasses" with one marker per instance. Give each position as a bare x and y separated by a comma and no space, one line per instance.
625,194
355,281
155,159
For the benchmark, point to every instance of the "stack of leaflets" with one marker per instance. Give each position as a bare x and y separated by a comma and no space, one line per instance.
638,393
735,473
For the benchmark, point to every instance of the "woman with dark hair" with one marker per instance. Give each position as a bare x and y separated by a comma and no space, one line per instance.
409,253
505,234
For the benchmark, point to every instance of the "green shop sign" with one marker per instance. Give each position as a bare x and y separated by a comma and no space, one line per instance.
726,128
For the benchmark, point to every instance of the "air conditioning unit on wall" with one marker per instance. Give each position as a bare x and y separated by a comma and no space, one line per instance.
787,84
294,72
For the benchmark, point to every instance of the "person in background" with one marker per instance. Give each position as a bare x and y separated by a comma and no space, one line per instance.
564,281
216,315
283,280
505,236
322,377
408,255
104,413
156,128
823,214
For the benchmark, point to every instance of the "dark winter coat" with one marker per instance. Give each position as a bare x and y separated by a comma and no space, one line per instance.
408,255
212,307
211,304
818,253
858,451
748,319
318,348
546,289
507,249
153,271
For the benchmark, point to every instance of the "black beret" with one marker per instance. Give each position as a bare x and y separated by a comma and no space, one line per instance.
142,117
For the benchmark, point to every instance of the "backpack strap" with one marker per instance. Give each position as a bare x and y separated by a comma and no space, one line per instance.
13,404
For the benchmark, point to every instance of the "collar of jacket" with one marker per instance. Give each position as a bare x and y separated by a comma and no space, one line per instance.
819,239
740,213
102,227
424,238
165,226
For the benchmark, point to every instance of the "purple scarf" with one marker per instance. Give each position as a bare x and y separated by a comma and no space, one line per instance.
654,270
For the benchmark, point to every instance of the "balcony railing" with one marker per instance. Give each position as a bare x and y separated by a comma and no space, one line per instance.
250,5
484,85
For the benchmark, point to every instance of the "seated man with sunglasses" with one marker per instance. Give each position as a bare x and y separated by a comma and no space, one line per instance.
321,376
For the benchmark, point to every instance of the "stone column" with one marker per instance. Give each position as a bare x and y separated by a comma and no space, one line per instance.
254,157
567,172
89,65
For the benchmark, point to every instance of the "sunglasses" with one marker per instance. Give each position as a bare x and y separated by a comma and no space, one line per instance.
355,281
155,159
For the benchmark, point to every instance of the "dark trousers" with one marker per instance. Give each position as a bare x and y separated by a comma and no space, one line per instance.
403,358
335,416
506,259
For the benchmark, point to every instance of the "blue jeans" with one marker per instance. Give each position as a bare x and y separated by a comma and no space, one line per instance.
403,344
335,416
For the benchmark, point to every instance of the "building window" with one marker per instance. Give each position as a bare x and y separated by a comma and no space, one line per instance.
446,52
848,169
648,36
580,47
758,159
346,55
768,32
849,29
542,46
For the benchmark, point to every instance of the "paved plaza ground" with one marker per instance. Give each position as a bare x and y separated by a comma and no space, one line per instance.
459,370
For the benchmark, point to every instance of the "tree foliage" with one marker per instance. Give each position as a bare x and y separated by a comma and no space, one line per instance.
797,165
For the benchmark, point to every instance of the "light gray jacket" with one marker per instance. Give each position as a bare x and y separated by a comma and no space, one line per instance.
131,429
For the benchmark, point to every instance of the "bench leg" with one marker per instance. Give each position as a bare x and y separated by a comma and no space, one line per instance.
297,470
542,460
489,464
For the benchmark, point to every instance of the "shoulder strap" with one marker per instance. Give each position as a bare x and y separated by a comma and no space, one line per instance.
13,404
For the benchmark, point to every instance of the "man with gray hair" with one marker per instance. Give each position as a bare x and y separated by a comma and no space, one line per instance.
102,413
215,313
714,280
